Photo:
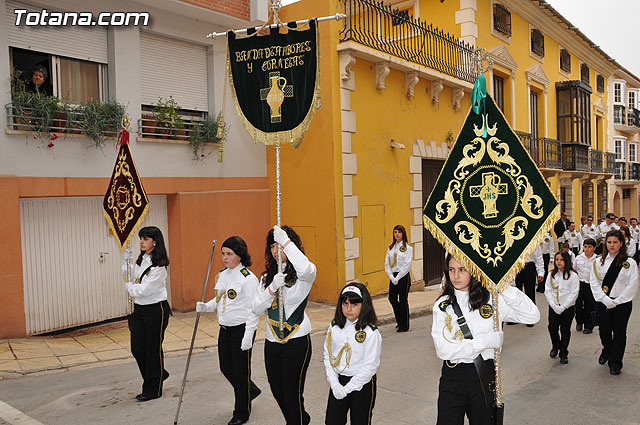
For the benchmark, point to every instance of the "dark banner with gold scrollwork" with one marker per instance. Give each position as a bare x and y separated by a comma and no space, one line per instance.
491,206
275,82
125,203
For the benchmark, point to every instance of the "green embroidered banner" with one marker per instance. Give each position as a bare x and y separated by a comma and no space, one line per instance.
491,206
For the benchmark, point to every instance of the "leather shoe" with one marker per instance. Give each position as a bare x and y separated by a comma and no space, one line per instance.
511,323
165,375
530,325
142,397
614,371
564,360
553,353
579,327
402,330
255,394
603,359
587,331
236,421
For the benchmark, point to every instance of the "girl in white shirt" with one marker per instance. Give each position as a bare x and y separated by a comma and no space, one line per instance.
397,266
351,358
151,311
613,298
561,290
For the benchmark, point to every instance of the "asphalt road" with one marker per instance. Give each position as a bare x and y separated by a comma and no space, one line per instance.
537,389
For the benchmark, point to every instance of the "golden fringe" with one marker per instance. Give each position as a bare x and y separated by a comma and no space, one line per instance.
133,229
293,136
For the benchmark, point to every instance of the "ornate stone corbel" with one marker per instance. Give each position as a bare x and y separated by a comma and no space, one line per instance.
436,88
347,60
411,79
382,70
458,94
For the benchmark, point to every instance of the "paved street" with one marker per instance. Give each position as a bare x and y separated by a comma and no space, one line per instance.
538,390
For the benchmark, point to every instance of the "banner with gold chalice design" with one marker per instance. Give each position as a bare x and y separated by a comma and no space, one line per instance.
491,206
275,82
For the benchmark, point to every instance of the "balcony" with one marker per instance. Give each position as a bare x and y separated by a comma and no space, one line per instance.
619,114
634,171
552,154
624,120
575,157
596,161
545,152
621,171
383,28
611,163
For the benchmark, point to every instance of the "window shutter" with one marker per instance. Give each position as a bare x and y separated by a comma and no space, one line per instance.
170,67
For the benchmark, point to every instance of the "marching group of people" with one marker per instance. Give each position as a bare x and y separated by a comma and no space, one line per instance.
595,289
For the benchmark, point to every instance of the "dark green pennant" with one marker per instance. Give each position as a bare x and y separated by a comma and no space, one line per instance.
490,206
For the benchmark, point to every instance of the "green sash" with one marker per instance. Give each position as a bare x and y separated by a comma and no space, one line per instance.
290,325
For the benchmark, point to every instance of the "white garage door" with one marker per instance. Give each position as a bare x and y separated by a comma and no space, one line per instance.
71,265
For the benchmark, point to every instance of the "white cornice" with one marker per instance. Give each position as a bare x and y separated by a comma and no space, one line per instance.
501,56
537,74
552,27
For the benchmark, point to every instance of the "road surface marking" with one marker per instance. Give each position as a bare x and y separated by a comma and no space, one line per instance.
14,416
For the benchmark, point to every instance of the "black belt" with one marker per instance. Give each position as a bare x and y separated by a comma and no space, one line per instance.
230,328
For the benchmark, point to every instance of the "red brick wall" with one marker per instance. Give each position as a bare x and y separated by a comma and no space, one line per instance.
237,8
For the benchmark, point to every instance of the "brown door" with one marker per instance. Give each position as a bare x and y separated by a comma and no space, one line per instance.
433,253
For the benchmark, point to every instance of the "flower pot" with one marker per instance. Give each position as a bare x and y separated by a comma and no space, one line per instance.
59,123
181,134
22,122
148,126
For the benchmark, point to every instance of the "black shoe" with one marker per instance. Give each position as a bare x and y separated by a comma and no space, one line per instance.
165,375
236,421
530,325
553,353
603,359
402,330
564,360
587,331
579,327
511,323
255,394
614,371
142,397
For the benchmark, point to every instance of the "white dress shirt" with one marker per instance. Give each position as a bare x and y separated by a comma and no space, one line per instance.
574,238
548,247
560,291
631,247
635,233
604,228
363,361
235,291
398,260
513,305
294,294
152,287
584,265
625,285
536,258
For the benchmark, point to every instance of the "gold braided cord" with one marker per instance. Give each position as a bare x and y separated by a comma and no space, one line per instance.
395,260
222,295
275,323
335,361
556,290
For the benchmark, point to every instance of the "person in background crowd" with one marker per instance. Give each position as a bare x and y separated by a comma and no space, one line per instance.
397,265
614,282
560,227
608,224
585,302
629,242
548,249
532,272
574,238
635,234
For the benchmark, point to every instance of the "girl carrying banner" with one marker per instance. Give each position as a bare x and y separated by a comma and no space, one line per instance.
351,358
614,281
151,311
397,266
467,349
287,356
235,291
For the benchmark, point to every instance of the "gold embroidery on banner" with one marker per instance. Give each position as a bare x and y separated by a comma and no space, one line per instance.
275,94
488,193
123,198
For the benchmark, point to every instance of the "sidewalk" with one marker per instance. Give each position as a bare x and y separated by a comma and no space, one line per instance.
110,343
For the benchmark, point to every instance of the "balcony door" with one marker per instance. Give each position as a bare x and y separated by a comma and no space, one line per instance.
535,155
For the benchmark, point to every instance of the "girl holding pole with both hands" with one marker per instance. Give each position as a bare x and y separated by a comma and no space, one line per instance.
235,291
461,390
286,355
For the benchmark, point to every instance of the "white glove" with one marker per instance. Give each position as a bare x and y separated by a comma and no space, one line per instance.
338,391
491,340
128,286
124,269
280,236
277,282
556,308
608,302
511,294
127,254
247,342
208,307
394,280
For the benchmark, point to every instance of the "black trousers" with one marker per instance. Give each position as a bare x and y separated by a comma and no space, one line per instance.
147,324
287,366
460,393
613,333
561,322
235,365
528,277
359,403
545,260
399,299
584,306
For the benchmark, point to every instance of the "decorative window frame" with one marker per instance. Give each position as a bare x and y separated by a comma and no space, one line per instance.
604,84
582,65
623,92
566,74
503,37
623,148
635,149
636,95
529,37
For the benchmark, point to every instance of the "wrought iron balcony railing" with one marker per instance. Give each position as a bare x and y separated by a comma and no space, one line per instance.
596,161
611,163
552,153
634,171
384,28
633,117
575,157
619,114
621,171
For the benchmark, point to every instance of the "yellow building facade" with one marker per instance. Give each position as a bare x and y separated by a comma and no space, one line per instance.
395,91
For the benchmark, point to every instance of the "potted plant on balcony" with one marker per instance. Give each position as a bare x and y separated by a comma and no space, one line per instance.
97,119
33,112
204,133
166,113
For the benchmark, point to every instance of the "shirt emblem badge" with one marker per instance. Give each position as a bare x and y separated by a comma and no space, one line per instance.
361,336
231,294
486,311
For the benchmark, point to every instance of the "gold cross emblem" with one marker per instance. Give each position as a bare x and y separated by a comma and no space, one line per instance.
275,94
488,193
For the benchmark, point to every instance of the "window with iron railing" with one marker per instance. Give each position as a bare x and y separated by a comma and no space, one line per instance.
537,42
619,114
632,99
619,145
600,83
502,19
603,198
584,73
574,112
565,60
626,193
633,152
617,93
399,17
587,199
498,91
621,171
